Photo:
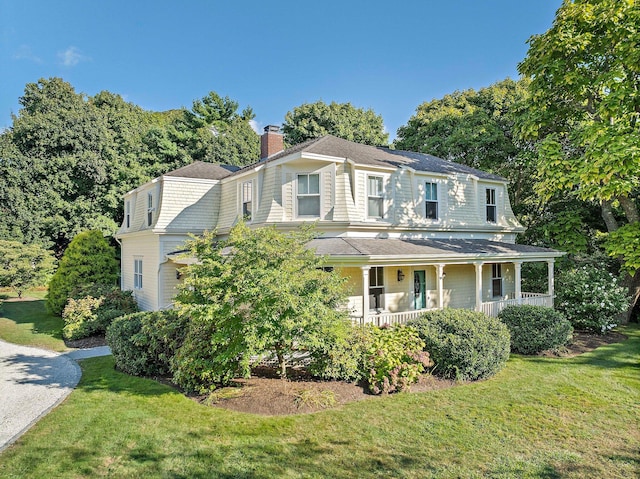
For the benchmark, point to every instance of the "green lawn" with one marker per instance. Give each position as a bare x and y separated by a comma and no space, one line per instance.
29,324
538,418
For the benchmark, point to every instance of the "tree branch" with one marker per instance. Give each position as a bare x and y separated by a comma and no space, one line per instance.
630,209
607,216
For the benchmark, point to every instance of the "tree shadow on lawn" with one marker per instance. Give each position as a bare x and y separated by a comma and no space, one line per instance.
33,311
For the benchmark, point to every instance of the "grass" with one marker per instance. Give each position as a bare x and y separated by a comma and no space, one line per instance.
538,418
28,323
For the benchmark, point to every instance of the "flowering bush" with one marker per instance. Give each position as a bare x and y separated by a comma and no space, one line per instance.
591,298
395,359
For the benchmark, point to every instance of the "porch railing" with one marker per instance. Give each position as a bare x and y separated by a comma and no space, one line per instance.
492,308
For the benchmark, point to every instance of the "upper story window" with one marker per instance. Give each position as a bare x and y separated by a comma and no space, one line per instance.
375,197
247,200
431,200
149,209
376,287
137,273
491,205
309,195
128,214
496,279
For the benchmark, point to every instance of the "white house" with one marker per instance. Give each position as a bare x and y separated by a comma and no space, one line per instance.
409,230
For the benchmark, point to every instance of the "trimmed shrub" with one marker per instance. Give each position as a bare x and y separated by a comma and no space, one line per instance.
343,358
535,328
464,344
394,359
91,314
591,298
143,344
89,259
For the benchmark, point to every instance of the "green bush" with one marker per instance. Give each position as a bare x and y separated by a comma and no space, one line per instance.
343,358
143,344
535,328
394,359
89,259
464,344
91,314
591,298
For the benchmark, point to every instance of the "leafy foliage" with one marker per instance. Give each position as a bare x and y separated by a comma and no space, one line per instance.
343,358
24,266
259,292
591,298
313,120
583,107
535,328
144,344
464,344
394,359
89,259
91,312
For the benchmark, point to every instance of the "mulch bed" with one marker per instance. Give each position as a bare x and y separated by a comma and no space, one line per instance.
90,342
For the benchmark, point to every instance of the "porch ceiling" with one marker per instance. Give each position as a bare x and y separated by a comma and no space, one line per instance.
399,251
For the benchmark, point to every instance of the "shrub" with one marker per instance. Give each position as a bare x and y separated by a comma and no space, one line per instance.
394,359
590,298
535,328
342,358
143,344
464,344
92,314
89,259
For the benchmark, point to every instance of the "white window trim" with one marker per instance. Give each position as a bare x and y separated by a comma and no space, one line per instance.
373,278
496,274
253,196
381,196
298,195
488,204
437,200
137,274
127,215
150,208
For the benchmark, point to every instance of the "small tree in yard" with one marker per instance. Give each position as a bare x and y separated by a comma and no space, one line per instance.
259,292
88,260
24,266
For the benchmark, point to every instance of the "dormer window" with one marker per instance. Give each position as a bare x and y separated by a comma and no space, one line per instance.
309,195
247,200
375,197
128,214
491,205
149,209
431,201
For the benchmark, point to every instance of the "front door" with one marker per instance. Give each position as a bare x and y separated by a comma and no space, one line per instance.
419,289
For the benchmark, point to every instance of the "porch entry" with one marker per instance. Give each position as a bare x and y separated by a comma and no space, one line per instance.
419,290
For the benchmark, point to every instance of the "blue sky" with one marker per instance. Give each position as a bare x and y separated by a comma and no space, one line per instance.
270,55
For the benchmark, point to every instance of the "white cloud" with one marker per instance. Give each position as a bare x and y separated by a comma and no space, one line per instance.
72,56
257,127
24,52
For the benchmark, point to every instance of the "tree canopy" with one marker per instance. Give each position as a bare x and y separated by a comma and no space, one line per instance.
313,120
24,266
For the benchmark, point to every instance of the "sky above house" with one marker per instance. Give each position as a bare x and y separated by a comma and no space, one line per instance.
270,55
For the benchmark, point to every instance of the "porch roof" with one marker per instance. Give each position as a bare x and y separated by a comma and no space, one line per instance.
401,251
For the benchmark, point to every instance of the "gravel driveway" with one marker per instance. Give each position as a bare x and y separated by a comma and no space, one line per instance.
32,382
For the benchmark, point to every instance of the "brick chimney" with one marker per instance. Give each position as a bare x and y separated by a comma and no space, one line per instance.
271,142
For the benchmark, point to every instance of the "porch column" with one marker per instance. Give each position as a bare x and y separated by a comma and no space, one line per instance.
478,265
365,293
518,267
440,276
550,279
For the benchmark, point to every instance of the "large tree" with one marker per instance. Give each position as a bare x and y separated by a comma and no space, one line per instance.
477,128
313,120
584,106
24,266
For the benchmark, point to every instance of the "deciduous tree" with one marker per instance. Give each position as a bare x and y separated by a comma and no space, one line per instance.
24,266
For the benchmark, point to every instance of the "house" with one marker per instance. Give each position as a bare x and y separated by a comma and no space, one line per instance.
410,231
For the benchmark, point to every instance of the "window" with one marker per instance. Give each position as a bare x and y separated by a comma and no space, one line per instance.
496,280
309,195
247,199
431,200
375,198
137,273
128,214
149,209
491,205
376,288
